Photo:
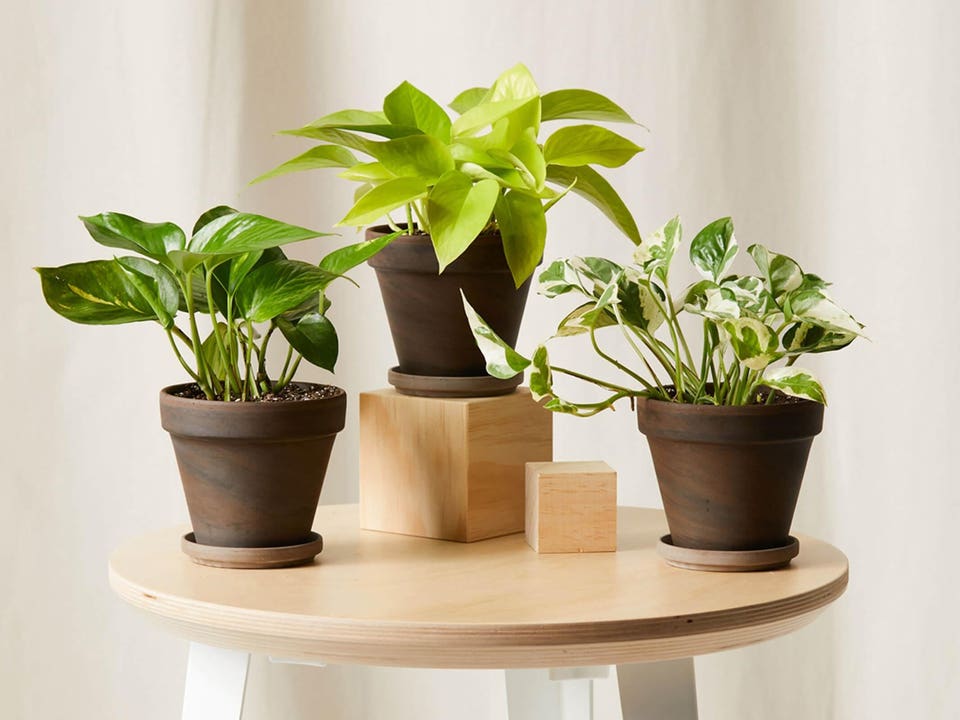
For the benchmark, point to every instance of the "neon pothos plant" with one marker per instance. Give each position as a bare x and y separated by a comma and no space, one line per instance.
231,277
748,323
484,169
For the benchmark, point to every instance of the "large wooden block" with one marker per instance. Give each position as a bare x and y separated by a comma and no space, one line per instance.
571,507
449,468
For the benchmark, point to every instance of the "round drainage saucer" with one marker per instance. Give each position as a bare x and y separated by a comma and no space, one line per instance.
727,560
451,387
252,558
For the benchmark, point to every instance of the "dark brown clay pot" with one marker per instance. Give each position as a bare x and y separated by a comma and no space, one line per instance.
729,476
425,310
252,471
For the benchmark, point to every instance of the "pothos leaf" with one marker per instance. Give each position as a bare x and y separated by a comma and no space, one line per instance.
797,382
714,248
541,378
314,337
754,344
502,360
99,292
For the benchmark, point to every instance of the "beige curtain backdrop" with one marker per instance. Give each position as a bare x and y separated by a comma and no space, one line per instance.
827,129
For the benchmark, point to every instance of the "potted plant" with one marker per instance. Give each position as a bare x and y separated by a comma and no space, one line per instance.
252,447
729,430
471,195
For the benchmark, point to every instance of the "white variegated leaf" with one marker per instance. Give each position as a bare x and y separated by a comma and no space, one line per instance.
655,251
754,344
797,382
502,360
559,278
815,307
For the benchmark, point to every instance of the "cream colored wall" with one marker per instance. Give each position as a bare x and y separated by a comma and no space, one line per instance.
827,129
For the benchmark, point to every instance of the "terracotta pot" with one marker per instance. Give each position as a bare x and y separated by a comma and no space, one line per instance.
729,476
252,471
424,308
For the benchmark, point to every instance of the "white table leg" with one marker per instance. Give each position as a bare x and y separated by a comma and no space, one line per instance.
560,694
216,679
658,690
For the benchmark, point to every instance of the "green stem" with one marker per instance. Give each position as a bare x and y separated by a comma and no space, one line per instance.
176,350
206,382
262,354
229,370
250,383
595,381
637,350
616,363
286,364
284,381
421,218
410,226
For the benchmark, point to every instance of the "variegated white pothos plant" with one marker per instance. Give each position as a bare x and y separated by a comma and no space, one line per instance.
749,324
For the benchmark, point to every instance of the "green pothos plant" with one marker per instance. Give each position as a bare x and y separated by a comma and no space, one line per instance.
454,178
753,327
230,284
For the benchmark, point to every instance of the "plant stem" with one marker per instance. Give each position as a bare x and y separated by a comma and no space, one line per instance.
205,381
637,350
595,381
229,374
284,381
262,355
410,226
616,363
421,218
176,350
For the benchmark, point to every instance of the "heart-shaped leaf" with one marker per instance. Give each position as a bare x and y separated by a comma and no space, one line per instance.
523,228
797,382
383,198
468,99
245,232
577,104
588,145
99,292
117,230
406,105
458,209
274,288
373,123
346,258
314,337
322,156
420,156
714,248
502,360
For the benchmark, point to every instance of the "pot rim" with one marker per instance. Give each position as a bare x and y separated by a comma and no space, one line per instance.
485,237
729,424
285,420
167,393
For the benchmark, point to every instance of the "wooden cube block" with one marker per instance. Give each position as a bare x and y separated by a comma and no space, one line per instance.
448,468
571,507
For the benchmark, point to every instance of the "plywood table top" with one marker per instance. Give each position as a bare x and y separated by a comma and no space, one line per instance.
382,599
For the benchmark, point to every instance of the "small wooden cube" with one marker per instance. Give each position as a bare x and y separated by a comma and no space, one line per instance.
448,468
571,507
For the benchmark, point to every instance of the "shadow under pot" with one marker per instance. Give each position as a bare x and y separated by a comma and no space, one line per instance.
730,476
437,354
252,474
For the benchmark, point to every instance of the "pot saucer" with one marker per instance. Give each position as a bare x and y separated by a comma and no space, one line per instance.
437,386
241,558
727,560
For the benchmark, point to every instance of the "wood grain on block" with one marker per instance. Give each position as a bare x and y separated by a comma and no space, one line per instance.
448,468
571,507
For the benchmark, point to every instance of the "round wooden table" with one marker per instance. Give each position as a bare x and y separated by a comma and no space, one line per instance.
382,599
